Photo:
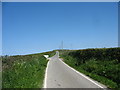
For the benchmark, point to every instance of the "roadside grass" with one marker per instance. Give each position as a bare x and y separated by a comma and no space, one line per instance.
24,71
104,69
0,79
0,72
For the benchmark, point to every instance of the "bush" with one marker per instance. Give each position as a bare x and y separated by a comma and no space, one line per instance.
24,71
103,62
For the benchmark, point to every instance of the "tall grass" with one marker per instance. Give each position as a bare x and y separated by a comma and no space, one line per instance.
24,71
100,64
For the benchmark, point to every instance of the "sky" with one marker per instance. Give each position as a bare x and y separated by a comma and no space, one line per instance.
34,27
0,28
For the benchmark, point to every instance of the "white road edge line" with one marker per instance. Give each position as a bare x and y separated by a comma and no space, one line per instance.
82,74
45,78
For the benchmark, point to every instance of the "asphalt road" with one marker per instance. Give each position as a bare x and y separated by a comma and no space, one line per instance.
60,75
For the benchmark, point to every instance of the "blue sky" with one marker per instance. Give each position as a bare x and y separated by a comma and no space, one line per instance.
0,28
39,27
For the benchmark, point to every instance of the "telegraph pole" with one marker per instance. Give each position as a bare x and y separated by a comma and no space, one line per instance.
71,46
62,44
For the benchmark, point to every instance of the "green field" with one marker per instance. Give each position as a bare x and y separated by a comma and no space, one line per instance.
101,64
24,71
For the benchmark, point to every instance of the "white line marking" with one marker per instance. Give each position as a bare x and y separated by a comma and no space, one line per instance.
82,74
45,80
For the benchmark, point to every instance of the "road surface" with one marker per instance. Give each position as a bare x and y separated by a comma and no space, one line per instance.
60,75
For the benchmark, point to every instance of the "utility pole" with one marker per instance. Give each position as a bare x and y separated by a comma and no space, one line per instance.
71,46
62,44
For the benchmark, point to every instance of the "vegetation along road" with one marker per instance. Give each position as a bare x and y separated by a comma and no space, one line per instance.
35,71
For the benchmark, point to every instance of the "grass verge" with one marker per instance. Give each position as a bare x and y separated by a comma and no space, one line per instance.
104,69
24,71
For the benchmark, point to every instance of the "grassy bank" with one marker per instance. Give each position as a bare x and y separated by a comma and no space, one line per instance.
24,71
100,64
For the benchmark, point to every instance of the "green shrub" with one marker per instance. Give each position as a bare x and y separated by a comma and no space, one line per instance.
101,64
24,71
